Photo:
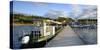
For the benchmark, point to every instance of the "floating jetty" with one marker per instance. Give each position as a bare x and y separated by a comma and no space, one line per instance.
66,37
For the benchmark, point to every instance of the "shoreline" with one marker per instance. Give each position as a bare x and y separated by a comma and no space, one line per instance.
20,24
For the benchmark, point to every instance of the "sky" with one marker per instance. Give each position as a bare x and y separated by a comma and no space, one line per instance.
41,9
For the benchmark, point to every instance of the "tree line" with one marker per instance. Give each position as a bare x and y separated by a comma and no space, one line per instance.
27,19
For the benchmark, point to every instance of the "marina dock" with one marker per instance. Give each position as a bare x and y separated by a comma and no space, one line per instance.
66,37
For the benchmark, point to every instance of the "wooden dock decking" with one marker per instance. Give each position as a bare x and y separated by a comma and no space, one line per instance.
66,37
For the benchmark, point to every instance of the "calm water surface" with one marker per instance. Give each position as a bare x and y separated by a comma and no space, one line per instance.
89,36
18,32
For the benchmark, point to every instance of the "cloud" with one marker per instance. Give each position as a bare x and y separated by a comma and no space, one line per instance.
40,4
84,11
55,14
89,12
76,11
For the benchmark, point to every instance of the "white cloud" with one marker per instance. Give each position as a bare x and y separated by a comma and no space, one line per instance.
40,4
76,11
55,14
89,12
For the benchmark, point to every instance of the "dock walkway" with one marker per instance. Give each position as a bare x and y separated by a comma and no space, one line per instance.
66,37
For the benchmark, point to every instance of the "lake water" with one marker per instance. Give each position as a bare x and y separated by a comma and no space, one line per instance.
89,36
18,32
